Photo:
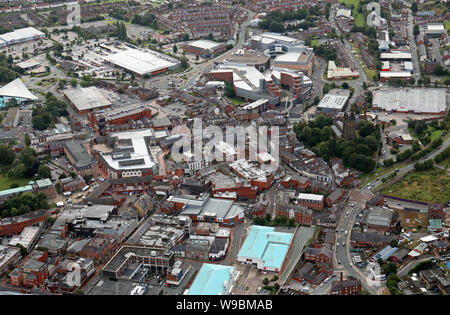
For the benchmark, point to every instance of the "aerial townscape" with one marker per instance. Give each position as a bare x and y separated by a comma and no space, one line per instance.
224,147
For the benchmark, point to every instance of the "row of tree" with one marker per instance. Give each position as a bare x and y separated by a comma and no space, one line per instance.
24,203
426,165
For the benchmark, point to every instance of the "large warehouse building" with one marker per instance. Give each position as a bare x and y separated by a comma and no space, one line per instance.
406,100
265,248
205,48
143,62
20,36
336,99
214,279
86,100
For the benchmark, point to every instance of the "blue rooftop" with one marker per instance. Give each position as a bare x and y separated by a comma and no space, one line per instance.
212,279
385,253
264,243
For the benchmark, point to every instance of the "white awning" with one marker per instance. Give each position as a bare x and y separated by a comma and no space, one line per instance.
17,89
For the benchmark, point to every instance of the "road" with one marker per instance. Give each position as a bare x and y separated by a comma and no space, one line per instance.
412,41
342,252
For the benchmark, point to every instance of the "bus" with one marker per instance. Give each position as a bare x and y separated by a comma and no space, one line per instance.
86,188
67,193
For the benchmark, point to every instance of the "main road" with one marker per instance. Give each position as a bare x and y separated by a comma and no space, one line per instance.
342,257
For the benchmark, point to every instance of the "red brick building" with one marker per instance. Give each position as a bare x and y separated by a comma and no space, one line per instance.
15,225
319,253
32,274
295,182
335,197
299,213
312,201
347,287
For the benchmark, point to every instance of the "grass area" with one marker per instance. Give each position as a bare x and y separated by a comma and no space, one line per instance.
447,25
236,101
315,43
435,134
371,74
5,181
445,163
427,186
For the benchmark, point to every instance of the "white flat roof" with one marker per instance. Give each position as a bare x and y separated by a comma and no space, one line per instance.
140,150
279,37
141,62
395,56
333,100
21,34
205,44
288,57
310,197
395,74
415,100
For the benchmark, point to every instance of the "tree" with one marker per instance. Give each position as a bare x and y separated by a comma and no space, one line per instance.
23,251
27,140
73,82
184,62
416,30
414,8
7,155
44,172
276,27
175,49
229,90
265,281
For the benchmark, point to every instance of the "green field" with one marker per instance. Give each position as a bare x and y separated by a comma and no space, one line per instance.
435,134
237,101
371,74
445,163
359,17
315,43
427,186
5,181
447,25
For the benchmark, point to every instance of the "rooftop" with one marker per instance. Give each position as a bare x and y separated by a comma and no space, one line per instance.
262,242
141,61
213,279
205,44
87,98
415,100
